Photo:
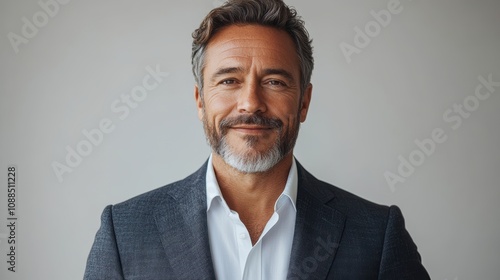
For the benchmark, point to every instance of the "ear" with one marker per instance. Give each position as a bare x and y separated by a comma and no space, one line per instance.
306,100
199,102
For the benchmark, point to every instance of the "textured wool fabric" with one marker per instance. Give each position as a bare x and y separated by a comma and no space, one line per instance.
163,234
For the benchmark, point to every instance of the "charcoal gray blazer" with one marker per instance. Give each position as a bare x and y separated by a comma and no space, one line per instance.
163,234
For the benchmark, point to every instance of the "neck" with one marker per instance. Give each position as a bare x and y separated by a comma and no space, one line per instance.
252,195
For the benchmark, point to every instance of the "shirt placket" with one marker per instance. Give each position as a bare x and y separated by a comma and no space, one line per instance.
242,240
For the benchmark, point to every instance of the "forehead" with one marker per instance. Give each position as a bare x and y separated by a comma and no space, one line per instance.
252,44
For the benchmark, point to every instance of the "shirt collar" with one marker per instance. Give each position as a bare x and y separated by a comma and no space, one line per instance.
290,191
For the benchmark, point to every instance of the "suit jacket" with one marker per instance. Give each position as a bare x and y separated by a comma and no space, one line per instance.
163,234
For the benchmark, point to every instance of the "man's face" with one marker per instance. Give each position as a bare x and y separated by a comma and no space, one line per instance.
251,106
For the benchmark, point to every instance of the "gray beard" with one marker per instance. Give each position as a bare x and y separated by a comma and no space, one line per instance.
250,162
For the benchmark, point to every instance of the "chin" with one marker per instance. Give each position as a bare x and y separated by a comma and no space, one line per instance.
251,161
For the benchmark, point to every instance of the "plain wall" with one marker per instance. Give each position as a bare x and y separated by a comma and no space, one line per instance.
365,114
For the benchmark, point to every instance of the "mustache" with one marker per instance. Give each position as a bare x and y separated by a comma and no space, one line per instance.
250,119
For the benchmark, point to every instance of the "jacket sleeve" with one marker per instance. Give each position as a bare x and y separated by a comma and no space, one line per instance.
400,258
104,260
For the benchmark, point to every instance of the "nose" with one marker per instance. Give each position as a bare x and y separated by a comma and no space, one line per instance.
250,99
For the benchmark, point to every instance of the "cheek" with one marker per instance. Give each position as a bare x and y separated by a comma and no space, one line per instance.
219,104
215,111
293,120
287,111
290,121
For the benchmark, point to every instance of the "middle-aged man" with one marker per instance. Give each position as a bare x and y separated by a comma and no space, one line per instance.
252,211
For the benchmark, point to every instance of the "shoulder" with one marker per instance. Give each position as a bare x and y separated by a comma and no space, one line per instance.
146,203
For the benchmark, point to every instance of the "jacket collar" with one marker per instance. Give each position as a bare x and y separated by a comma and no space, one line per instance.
318,229
182,223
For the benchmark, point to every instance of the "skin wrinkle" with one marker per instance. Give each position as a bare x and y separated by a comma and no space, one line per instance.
269,55
251,111
270,71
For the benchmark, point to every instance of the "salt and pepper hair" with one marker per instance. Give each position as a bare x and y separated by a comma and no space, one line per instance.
272,13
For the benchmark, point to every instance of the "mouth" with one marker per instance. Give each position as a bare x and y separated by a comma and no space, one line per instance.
252,129
253,125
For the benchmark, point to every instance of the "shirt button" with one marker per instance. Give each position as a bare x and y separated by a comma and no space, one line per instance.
243,236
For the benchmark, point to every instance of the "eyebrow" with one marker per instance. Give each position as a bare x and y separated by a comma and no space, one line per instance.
227,70
281,72
269,71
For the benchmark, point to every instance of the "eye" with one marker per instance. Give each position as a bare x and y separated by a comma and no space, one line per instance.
228,82
276,83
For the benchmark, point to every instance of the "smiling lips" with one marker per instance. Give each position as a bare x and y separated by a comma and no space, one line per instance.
252,129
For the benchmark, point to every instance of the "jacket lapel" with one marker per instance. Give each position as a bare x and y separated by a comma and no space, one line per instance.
182,223
318,230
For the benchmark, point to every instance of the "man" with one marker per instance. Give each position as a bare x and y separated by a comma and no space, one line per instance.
252,211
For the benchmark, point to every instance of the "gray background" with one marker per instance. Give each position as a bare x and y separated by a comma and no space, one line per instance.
364,114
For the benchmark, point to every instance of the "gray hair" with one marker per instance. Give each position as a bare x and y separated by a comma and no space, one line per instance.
273,13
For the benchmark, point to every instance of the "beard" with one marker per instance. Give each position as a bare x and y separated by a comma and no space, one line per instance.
251,160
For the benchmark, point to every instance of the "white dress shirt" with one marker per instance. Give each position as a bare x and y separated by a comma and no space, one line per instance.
233,255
